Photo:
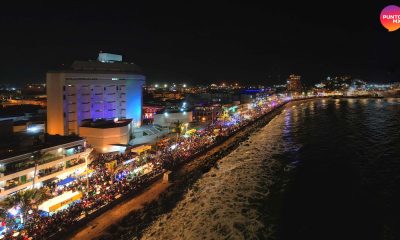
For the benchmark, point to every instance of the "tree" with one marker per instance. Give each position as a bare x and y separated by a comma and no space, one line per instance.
36,157
178,129
25,199
112,168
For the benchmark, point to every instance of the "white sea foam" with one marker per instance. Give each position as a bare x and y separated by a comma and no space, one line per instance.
223,204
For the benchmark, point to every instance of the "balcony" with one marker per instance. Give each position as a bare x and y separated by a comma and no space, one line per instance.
72,151
16,167
73,163
28,163
48,171
48,160
5,192
13,183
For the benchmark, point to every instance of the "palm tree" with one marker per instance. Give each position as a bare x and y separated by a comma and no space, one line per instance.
178,129
112,167
25,199
36,157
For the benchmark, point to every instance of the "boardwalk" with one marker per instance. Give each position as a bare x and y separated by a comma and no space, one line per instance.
97,226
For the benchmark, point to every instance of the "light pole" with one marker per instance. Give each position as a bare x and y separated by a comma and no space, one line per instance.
87,175
186,126
36,157
212,115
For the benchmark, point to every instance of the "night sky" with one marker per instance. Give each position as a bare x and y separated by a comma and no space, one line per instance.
202,42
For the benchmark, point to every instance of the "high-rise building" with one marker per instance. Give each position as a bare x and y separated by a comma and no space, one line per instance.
294,84
90,90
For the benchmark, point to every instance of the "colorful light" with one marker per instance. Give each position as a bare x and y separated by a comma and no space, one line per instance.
390,18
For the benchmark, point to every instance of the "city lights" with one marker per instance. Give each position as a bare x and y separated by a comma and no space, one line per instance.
223,120
33,129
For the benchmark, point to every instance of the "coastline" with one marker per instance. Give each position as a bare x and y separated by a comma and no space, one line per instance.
132,225
119,222
364,97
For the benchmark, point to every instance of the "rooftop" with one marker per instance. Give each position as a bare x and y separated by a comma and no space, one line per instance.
47,141
169,110
103,123
103,65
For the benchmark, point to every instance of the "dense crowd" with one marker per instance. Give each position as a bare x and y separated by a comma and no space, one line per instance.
104,184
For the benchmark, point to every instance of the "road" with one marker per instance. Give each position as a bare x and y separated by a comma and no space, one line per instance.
97,226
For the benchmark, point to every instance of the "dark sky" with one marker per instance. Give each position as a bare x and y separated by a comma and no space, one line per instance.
202,42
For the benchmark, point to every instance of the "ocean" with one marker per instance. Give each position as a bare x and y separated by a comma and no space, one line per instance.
322,169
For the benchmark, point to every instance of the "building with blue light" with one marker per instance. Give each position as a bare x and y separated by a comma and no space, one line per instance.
105,89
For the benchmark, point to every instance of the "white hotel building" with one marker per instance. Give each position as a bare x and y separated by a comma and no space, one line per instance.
106,89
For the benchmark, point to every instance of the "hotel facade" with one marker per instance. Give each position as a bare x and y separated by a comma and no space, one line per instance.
106,89
55,160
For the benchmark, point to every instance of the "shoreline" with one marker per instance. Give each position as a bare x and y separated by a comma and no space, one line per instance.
362,97
132,225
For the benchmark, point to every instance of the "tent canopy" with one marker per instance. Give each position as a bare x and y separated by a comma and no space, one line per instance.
65,181
54,204
141,149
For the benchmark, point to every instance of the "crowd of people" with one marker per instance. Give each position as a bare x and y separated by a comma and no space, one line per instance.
104,184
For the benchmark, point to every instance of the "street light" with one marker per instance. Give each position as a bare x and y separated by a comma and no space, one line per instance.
186,126
87,174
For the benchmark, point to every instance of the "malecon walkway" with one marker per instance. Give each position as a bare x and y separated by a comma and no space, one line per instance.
197,147
97,226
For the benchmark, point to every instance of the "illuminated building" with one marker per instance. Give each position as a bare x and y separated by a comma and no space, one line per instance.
34,89
149,111
207,113
294,84
168,118
48,159
107,135
104,89
39,102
